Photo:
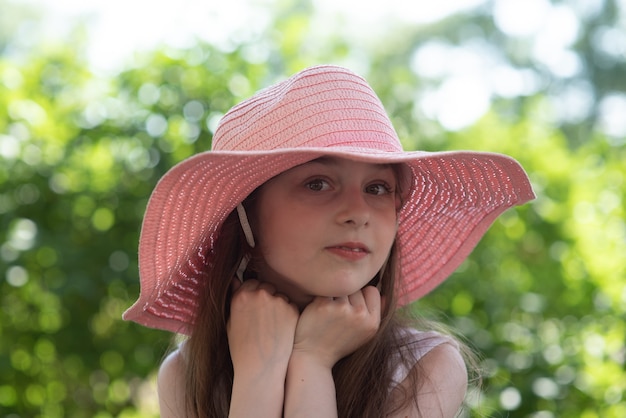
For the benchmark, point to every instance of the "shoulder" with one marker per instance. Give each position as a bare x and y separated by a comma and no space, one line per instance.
171,385
413,345
441,377
445,379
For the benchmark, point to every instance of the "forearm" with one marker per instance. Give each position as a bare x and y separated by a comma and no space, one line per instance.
260,331
309,389
258,395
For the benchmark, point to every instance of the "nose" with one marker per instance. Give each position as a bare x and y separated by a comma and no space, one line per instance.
353,208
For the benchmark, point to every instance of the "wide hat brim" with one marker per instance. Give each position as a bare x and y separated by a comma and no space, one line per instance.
453,198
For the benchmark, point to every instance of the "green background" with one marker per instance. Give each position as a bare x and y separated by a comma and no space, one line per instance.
541,298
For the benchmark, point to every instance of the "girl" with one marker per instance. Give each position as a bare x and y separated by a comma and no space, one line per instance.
284,253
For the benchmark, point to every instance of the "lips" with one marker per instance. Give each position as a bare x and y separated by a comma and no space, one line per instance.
352,246
350,250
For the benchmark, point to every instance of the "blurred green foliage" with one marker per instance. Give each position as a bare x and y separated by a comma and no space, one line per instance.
542,298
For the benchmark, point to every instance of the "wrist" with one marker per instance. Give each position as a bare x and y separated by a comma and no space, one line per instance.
256,392
251,371
311,360
309,387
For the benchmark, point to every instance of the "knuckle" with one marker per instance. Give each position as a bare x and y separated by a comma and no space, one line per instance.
267,288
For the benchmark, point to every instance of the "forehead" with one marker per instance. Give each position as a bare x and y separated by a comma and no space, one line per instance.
336,162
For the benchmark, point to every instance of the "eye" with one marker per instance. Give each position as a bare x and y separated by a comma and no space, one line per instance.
379,189
317,185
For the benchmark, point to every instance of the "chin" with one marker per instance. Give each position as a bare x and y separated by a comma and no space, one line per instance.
340,291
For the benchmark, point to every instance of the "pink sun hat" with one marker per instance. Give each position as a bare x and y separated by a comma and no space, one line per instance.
452,198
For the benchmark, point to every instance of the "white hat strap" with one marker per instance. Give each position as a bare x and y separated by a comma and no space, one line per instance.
247,231
245,225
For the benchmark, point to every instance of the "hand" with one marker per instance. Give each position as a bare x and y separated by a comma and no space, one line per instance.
331,328
261,328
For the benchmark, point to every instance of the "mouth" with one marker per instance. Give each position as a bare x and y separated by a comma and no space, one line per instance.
354,247
354,250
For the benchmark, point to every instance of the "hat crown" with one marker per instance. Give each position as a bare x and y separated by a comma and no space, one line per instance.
321,107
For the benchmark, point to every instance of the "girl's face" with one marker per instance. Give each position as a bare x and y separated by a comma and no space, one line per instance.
326,227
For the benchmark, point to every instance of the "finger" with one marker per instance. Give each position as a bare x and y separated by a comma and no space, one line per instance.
269,288
372,299
282,296
250,284
357,299
340,299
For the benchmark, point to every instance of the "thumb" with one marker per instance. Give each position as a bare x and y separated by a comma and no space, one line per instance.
373,299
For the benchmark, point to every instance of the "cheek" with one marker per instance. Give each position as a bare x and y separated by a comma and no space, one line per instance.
390,221
389,232
278,235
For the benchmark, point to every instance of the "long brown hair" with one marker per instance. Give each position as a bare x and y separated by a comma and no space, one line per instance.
362,379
